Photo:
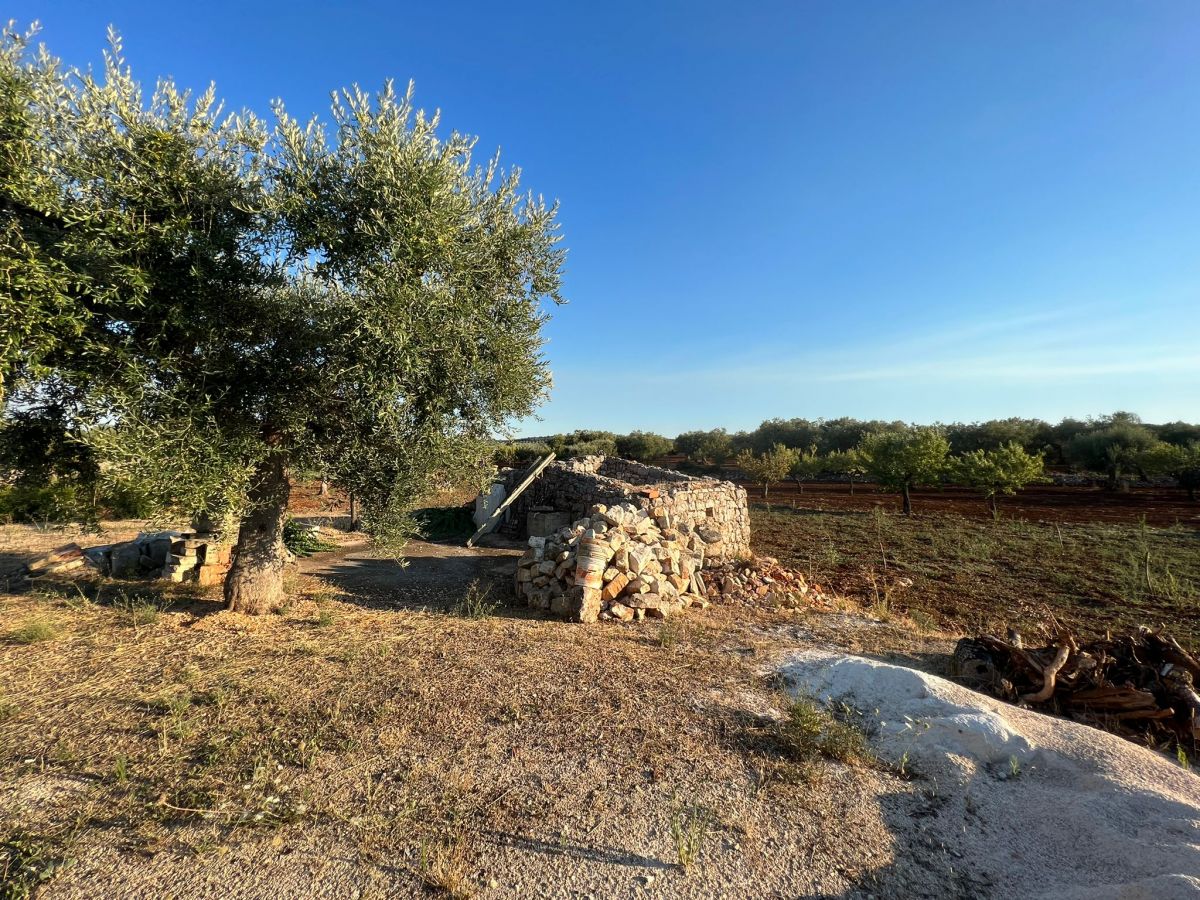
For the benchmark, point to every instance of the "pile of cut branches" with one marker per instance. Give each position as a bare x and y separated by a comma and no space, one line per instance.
1140,685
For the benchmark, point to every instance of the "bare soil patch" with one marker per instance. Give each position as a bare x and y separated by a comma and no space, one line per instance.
1045,503
968,575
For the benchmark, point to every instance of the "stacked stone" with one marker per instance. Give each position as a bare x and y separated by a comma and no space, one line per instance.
643,568
706,514
175,555
197,557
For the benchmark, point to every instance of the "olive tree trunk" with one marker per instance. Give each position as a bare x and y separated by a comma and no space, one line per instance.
906,490
254,584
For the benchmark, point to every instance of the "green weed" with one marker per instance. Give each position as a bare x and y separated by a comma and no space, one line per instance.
475,603
34,632
809,732
689,827
28,861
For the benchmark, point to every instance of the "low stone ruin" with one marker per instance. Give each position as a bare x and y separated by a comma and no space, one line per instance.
701,514
174,555
615,563
614,539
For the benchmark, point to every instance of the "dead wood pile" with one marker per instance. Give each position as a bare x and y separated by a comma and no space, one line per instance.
1140,685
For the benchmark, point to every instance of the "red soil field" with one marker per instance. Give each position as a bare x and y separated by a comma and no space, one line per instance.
1045,503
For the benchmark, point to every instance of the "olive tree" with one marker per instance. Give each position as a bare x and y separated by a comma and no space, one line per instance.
705,447
1111,449
846,462
999,472
644,446
769,467
899,460
1179,462
806,464
244,301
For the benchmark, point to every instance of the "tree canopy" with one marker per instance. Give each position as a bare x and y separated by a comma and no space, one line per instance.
237,300
768,467
899,460
999,472
644,446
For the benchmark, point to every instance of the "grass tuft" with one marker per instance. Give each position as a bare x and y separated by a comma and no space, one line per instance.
475,603
690,825
446,868
810,732
34,632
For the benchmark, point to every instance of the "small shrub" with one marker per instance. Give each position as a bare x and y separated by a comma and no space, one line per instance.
443,523
59,501
475,604
35,632
810,732
301,541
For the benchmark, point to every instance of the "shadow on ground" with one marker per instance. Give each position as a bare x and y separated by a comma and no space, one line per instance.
430,576
595,853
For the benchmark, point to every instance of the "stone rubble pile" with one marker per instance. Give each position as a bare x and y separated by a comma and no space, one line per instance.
618,562
764,582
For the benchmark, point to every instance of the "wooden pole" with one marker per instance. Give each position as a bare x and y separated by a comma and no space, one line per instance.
498,513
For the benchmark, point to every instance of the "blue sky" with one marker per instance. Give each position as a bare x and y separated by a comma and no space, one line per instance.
915,210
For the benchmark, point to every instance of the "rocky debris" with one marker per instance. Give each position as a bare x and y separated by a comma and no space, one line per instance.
59,560
762,581
618,562
1140,685
175,555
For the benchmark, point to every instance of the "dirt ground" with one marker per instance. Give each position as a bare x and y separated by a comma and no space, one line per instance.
400,730
379,739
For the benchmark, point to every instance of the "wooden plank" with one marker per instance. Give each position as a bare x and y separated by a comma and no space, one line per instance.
498,512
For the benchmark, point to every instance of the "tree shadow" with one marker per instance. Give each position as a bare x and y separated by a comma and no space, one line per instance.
600,854
428,582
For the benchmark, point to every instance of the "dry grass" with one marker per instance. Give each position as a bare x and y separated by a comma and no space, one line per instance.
415,741
410,732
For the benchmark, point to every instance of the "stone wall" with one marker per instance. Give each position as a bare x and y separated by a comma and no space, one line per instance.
706,515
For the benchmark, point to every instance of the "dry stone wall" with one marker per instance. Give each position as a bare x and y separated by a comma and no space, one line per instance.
614,563
706,517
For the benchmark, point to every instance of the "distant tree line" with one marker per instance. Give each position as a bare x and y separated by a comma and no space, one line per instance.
996,457
1061,445
39,479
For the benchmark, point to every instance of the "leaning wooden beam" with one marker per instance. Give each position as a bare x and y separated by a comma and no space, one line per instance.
498,513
